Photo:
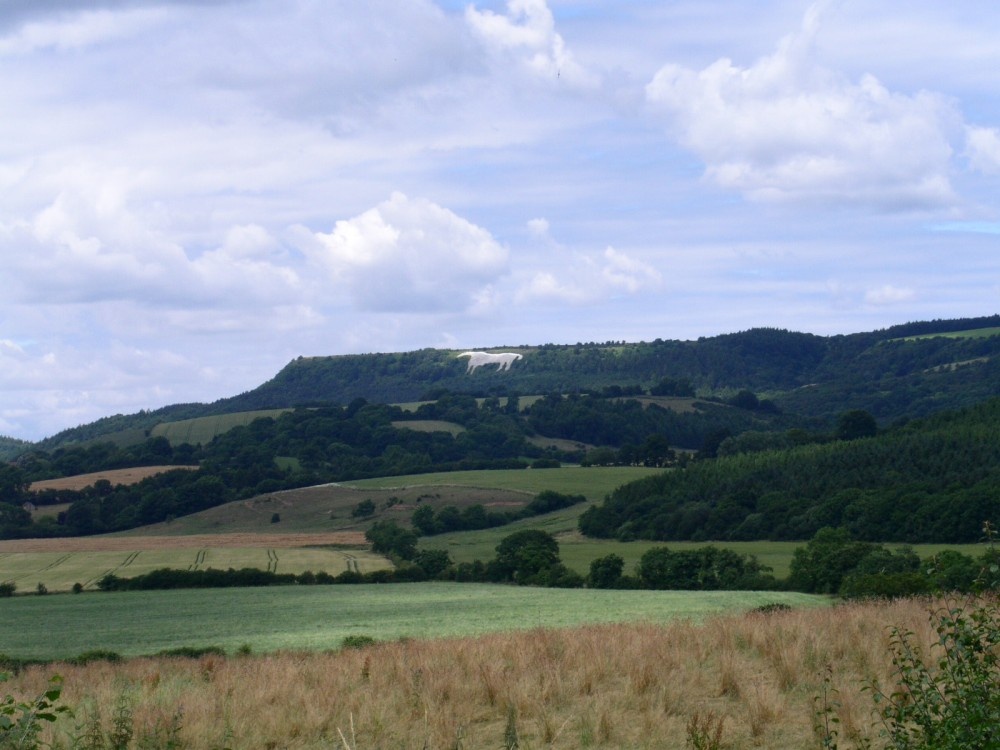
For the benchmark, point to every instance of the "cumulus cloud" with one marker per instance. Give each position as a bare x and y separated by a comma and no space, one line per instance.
587,279
983,149
96,248
788,128
527,34
409,255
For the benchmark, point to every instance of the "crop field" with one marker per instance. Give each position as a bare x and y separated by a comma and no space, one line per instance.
115,476
58,564
202,429
314,618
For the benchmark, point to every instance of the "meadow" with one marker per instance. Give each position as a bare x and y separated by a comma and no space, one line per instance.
734,681
202,429
314,618
592,482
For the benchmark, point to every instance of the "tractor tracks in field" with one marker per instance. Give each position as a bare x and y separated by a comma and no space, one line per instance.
351,562
199,559
129,559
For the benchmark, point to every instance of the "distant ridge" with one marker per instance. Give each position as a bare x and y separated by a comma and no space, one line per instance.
885,372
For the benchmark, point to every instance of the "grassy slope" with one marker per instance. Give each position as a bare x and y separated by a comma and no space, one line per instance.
203,429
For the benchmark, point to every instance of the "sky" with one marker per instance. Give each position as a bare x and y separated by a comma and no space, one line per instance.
195,192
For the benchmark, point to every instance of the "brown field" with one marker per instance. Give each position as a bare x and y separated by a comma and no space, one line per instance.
115,476
753,677
129,543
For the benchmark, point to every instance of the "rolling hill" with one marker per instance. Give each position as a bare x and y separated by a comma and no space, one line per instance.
901,372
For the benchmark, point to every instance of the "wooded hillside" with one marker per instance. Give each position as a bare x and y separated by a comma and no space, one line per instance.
931,480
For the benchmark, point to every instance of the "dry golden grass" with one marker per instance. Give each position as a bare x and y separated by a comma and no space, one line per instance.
115,476
608,686
206,541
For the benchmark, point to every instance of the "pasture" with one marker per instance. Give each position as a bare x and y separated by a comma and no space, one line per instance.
592,482
975,333
314,618
430,425
202,429
330,508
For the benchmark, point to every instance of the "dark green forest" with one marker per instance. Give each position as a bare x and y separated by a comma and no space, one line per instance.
936,479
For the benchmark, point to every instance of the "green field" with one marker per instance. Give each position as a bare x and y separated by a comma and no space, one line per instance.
320,617
430,425
975,333
592,482
202,429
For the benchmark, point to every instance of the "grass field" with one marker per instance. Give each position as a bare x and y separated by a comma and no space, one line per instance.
202,429
430,425
976,333
592,482
320,617
330,507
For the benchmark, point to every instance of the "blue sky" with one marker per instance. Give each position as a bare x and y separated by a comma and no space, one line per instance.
194,193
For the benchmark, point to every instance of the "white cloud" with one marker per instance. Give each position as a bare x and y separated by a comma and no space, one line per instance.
628,274
983,149
788,128
75,31
539,228
410,254
586,279
888,295
527,34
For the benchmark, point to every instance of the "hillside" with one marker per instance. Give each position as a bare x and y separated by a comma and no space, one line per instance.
931,480
905,371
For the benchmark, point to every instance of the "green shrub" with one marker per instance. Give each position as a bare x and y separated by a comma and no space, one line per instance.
948,699
7,588
97,654
358,642
21,720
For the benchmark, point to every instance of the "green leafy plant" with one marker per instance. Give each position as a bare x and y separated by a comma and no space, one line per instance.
948,699
21,720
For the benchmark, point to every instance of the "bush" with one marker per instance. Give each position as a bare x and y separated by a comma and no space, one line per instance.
97,654
950,699
7,588
357,642
20,721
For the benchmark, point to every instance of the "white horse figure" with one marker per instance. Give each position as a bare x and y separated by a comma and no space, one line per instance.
503,361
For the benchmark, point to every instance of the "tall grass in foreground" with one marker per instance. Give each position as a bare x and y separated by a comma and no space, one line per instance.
743,681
